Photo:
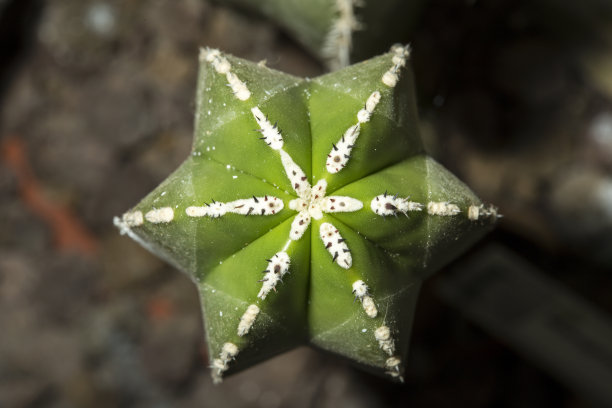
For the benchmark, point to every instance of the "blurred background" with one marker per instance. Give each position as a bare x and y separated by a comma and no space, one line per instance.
96,108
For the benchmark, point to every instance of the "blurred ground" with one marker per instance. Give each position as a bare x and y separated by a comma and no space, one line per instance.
97,101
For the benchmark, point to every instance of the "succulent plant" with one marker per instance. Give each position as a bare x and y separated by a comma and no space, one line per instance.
307,212
341,31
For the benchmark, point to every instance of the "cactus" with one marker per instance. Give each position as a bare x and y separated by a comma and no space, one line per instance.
307,212
341,31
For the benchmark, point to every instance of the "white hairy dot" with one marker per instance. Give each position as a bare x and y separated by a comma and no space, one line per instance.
222,66
442,208
386,205
385,341
391,76
133,219
270,133
220,365
296,176
360,289
265,205
335,245
390,79
299,225
229,351
340,153
247,319
334,204
473,212
194,211
160,215
369,306
278,266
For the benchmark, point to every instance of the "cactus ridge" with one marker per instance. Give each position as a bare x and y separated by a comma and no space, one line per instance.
312,202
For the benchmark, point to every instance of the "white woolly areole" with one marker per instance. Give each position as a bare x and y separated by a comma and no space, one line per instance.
239,88
229,351
473,212
385,342
317,195
160,215
334,204
364,114
269,133
360,289
194,211
269,280
401,54
335,245
278,266
296,176
222,66
340,153
132,219
385,205
442,208
478,211
266,205
299,225
247,320
298,204
392,365
369,306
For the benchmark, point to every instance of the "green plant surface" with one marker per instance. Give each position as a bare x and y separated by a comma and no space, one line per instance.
308,212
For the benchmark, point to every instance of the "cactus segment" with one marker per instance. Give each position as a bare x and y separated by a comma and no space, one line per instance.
280,247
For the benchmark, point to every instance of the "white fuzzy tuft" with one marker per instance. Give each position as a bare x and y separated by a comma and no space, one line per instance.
222,66
386,205
334,204
229,351
266,205
247,319
369,306
442,208
239,88
400,55
393,367
390,78
299,225
296,176
160,215
278,266
365,114
340,152
385,341
476,212
270,134
335,245
360,289
132,219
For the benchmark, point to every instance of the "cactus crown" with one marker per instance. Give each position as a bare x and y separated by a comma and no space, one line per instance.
307,212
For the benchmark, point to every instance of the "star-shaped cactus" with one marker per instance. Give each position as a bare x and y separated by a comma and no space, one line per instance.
318,233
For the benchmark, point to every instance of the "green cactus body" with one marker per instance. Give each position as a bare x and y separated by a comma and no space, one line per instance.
320,233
